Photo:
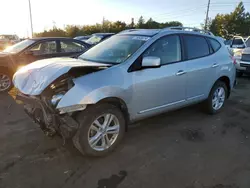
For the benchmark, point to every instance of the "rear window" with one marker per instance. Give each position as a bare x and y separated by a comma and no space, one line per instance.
238,41
215,44
196,46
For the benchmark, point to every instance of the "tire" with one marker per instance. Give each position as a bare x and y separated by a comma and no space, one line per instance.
239,74
209,106
86,118
5,74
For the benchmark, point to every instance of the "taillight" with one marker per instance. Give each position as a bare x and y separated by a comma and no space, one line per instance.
234,60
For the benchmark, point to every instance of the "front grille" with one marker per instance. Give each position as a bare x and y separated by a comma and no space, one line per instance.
245,57
244,65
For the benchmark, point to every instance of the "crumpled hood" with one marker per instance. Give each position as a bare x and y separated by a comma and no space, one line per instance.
35,77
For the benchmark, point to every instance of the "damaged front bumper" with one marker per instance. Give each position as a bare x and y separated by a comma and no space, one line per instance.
49,119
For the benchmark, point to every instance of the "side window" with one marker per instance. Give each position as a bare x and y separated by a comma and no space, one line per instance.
43,48
196,46
215,44
168,49
70,46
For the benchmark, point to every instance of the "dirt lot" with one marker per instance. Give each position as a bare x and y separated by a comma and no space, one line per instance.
181,149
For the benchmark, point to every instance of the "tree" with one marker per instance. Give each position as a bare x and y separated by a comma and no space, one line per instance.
55,32
140,23
106,26
234,23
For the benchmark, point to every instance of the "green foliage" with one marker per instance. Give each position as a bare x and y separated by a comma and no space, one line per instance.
235,23
107,26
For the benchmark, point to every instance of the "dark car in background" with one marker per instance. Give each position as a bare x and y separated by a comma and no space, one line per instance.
98,37
8,40
31,50
83,38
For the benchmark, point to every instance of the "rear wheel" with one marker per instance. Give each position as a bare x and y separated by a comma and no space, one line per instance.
217,98
5,81
102,128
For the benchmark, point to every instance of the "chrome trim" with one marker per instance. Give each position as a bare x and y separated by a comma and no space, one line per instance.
162,106
195,97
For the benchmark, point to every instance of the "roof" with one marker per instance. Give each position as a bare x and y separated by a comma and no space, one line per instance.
152,32
103,33
145,32
44,38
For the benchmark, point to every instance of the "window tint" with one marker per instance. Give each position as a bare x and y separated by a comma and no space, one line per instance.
168,49
215,44
196,46
48,47
70,46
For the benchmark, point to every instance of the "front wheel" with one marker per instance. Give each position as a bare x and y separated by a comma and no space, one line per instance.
102,127
217,98
5,81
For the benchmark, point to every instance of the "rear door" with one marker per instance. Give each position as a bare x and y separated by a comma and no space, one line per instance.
201,67
71,48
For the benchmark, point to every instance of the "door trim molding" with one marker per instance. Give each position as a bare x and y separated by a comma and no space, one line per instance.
162,106
195,97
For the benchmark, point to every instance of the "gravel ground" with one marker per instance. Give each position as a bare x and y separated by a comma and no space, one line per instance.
180,149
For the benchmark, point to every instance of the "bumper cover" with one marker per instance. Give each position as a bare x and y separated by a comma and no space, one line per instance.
48,119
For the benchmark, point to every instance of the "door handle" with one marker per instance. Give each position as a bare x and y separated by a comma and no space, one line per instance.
179,73
215,65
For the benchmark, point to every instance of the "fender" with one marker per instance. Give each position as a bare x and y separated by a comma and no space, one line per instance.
89,96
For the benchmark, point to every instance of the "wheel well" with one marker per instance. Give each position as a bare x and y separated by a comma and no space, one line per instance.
226,80
120,104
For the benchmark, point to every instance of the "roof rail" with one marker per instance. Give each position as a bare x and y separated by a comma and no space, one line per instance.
189,29
129,30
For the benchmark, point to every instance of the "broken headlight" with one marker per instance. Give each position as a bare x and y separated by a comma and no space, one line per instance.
56,98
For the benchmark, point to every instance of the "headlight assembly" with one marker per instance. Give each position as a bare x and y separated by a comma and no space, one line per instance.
56,99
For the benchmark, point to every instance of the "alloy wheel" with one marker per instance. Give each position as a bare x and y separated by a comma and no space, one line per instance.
103,132
218,98
5,82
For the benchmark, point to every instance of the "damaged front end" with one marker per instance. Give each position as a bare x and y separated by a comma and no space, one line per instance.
42,106
42,109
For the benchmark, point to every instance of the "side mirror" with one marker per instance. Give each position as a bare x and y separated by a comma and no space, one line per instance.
151,62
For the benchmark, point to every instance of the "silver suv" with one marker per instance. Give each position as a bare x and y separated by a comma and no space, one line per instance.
128,77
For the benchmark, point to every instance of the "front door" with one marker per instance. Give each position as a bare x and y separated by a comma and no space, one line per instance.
41,50
155,90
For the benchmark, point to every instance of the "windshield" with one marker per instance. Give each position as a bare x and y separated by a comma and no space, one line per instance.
94,39
19,46
114,50
228,42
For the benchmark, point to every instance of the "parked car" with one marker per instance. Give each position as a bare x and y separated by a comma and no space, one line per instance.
8,40
243,62
239,43
98,37
128,77
83,38
31,50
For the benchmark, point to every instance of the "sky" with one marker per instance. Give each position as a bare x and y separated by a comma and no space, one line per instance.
14,14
